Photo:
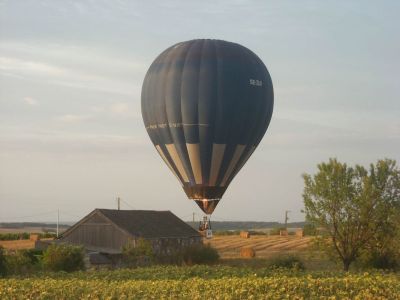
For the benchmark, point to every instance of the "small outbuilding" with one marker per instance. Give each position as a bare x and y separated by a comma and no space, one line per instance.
108,230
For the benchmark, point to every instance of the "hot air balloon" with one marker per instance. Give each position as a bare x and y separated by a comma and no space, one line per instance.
206,104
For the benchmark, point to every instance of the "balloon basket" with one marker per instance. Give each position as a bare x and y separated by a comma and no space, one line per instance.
205,228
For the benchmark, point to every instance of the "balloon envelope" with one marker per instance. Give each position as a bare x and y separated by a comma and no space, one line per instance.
206,104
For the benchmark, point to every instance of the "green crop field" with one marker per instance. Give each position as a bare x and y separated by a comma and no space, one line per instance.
202,282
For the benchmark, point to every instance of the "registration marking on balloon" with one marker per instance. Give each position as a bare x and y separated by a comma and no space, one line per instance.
173,125
255,82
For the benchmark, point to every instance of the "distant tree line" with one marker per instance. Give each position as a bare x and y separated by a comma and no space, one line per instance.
24,236
31,224
249,225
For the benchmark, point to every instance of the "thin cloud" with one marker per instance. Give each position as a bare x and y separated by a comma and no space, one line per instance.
122,109
116,110
30,101
54,74
20,139
71,118
28,66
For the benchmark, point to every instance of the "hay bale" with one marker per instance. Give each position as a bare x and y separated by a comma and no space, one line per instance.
247,252
300,233
283,232
245,234
34,237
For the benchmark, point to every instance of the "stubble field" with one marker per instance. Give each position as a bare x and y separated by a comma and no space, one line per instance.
265,246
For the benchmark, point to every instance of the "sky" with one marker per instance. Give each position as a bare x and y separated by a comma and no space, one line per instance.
71,133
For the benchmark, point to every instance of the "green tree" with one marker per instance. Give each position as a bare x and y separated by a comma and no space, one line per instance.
200,254
64,257
18,263
353,205
309,229
383,250
138,252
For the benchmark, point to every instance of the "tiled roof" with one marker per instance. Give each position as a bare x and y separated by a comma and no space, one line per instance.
149,223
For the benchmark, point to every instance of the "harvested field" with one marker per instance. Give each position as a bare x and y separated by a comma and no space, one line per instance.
265,246
21,244
227,246
17,244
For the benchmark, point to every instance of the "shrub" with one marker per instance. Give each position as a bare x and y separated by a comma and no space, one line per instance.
200,254
21,262
226,232
35,255
173,257
45,235
14,236
64,257
138,253
388,260
3,264
287,262
383,261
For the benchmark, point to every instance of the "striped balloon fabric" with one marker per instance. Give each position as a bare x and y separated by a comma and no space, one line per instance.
206,104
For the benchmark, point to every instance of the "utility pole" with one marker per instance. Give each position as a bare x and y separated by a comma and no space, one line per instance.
286,218
58,221
119,203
